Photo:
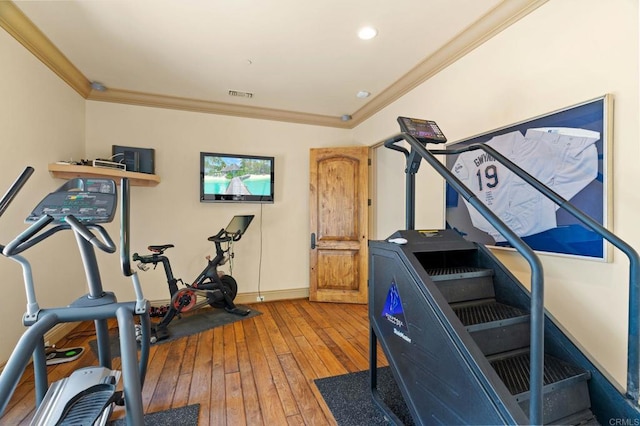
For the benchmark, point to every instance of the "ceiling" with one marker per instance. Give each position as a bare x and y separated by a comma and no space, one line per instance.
301,60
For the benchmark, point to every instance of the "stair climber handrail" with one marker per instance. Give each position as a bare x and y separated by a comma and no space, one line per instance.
633,344
537,275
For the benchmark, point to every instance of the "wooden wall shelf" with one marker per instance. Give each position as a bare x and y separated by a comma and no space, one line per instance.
69,171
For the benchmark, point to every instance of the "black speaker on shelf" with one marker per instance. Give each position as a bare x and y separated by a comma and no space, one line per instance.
140,160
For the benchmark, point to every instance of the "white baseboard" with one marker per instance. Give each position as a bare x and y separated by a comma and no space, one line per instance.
268,296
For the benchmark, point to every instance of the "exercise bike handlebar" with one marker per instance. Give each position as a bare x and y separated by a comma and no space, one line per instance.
223,236
107,245
220,237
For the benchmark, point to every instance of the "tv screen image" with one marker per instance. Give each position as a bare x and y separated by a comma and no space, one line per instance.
236,178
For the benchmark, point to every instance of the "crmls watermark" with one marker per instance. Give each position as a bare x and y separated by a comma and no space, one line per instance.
624,422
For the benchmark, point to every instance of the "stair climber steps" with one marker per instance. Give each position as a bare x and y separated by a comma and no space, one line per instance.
565,392
502,332
495,327
462,283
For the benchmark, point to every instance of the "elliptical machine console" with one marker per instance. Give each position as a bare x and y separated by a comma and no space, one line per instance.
88,200
88,394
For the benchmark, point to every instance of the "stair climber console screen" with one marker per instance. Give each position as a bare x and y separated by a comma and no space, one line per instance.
89,200
424,131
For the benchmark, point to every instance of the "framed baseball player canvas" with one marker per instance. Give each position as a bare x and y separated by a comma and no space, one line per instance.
567,150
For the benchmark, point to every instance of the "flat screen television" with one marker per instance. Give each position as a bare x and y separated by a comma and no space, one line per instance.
236,178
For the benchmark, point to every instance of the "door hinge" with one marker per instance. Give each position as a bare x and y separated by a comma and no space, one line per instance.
369,202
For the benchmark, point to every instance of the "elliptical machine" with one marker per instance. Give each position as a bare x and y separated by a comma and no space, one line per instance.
216,288
87,396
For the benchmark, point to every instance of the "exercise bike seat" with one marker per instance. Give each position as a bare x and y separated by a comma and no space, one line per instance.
160,249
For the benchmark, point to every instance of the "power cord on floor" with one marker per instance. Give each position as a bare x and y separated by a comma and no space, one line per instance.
260,255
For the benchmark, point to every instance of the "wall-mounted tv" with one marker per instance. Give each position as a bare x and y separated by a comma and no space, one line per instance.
236,178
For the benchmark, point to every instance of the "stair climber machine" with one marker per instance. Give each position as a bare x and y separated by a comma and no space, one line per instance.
87,396
466,342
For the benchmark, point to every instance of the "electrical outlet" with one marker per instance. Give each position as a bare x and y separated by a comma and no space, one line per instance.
260,299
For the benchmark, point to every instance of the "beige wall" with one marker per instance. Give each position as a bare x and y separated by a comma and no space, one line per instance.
565,52
171,212
41,120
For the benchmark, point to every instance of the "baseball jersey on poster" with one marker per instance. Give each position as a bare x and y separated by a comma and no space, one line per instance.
520,206
564,159
574,156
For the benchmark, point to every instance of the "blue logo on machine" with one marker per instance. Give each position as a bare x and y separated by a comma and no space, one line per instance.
394,312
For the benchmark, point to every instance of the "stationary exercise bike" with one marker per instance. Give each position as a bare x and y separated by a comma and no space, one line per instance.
88,395
212,286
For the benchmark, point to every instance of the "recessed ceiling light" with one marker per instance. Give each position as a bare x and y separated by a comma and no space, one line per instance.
96,85
367,33
363,94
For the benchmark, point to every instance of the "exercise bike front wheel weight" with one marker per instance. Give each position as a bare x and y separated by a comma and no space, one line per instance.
230,286
184,300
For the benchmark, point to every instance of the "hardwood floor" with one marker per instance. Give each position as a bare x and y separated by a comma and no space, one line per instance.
258,371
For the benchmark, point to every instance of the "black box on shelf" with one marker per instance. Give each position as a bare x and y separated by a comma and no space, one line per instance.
140,160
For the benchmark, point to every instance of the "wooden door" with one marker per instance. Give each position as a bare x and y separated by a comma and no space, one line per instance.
339,229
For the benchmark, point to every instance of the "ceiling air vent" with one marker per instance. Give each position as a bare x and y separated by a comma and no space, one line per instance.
240,94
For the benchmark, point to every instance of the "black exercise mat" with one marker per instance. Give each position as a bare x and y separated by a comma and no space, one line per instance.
349,398
194,322
184,416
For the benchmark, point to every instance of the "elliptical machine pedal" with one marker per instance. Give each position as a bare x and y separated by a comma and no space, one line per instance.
89,406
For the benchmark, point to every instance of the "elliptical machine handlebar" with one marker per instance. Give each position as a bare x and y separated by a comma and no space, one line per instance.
11,193
125,258
107,245
24,240
8,197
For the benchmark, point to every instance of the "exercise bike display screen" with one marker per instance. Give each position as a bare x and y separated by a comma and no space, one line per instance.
239,224
425,131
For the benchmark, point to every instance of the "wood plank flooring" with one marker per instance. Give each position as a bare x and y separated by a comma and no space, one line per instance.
258,371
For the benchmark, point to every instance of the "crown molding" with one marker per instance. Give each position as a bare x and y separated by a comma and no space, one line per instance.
26,33
195,105
501,17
